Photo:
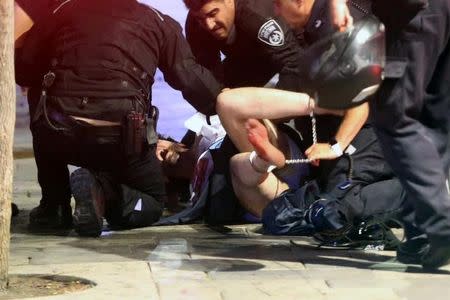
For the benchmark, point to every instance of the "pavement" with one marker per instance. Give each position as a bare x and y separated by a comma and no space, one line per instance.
201,262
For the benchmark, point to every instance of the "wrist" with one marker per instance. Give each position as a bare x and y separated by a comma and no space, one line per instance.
336,147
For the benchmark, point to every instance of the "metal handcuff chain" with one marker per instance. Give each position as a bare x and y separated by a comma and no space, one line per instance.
314,137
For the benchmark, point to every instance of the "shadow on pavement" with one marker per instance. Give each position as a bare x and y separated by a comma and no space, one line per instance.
230,251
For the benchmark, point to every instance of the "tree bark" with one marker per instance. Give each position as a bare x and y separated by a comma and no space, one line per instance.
7,120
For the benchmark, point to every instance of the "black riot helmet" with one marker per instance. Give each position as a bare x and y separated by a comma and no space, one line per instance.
346,68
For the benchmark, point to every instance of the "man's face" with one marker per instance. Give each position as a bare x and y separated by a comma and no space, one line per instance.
217,17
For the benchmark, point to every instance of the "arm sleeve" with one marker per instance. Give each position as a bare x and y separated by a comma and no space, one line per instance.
285,54
182,72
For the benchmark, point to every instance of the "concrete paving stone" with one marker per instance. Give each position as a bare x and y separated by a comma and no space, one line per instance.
343,259
292,265
25,170
121,280
436,288
209,265
349,280
176,279
175,270
268,265
243,248
266,289
56,250
337,274
294,288
259,274
412,272
187,290
241,289
318,284
362,293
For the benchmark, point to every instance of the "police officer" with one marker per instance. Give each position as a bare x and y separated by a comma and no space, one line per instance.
412,119
255,43
89,107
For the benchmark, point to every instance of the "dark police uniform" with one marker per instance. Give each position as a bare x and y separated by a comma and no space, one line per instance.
367,164
353,189
104,55
412,110
252,58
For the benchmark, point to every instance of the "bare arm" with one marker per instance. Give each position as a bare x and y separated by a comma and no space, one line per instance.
22,23
340,13
352,123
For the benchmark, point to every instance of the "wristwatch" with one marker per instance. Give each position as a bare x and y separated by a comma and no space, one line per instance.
336,147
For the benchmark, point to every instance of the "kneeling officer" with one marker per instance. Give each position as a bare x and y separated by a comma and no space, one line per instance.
90,66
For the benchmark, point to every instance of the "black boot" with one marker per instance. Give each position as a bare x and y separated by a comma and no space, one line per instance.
89,203
413,250
14,210
438,256
46,216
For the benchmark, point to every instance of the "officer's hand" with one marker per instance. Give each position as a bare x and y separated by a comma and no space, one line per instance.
320,151
340,14
167,151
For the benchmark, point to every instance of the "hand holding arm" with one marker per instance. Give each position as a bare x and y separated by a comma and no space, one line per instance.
352,123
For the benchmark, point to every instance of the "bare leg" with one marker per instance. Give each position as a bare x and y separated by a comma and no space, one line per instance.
253,186
253,189
236,106
258,138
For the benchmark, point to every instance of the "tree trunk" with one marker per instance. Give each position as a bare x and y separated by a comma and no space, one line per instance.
7,119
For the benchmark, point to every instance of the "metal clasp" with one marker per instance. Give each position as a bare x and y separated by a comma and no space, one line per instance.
49,78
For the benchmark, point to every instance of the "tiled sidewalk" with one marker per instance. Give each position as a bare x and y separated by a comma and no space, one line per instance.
198,262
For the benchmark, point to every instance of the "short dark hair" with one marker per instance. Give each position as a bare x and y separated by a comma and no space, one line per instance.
195,5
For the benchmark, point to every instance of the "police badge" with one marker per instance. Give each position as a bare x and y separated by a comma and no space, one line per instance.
271,34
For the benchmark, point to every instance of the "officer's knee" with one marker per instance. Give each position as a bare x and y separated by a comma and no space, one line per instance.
139,209
145,217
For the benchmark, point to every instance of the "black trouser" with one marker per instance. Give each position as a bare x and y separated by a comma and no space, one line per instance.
412,116
372,192
133,184
368,167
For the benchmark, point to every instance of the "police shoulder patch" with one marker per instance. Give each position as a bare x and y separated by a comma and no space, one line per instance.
271,33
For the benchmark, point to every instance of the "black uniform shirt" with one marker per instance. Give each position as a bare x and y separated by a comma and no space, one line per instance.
111,48
251,57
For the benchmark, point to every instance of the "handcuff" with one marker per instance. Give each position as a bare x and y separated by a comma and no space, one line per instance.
252,158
